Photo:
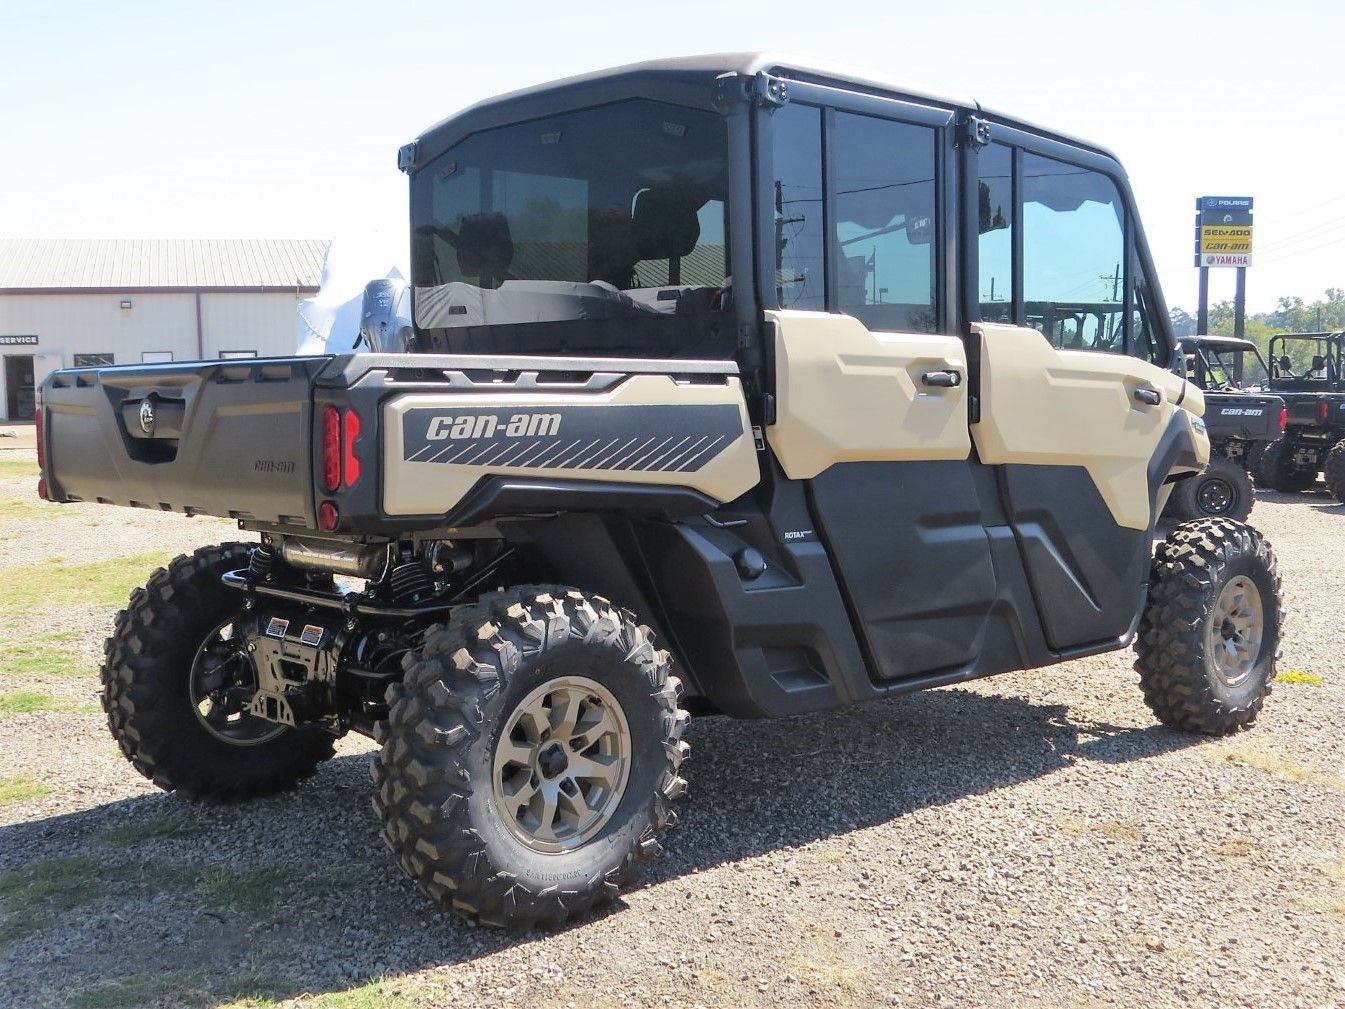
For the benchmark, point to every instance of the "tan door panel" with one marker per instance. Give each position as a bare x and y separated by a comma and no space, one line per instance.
1043,406
846,394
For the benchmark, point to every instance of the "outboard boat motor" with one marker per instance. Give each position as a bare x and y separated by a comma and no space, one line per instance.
383,328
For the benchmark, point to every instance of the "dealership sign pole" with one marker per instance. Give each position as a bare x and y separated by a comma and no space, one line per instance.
1223,239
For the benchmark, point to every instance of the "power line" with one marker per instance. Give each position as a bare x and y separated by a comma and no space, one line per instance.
1283,254
1307,234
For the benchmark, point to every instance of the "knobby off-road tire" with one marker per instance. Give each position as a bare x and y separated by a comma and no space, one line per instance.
1223,490
146,693
1334,471
1214,603
1276,470
462,712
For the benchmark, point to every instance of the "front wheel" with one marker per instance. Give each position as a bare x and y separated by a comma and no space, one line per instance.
166,676
530,757
1210,632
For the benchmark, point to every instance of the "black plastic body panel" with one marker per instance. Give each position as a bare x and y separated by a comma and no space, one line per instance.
910,547
227,438
1242,416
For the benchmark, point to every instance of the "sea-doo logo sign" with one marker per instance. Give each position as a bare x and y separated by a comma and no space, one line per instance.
488,425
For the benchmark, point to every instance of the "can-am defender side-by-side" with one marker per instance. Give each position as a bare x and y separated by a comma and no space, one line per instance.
723,349
1305,371
1240,419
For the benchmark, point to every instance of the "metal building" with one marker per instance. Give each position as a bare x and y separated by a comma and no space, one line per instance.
71,302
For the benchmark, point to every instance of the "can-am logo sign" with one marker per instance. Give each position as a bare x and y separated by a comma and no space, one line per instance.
488,425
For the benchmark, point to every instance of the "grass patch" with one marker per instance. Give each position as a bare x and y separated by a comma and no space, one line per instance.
42,655
159,828
59,583
30,702
182,988
21,790
1298,676
1278,767
18,469
26,702
10,509
34,897
374,995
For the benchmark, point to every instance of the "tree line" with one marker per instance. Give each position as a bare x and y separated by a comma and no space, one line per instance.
1292,315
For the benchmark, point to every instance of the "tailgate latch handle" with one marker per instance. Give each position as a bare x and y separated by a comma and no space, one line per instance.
942,379
1150,397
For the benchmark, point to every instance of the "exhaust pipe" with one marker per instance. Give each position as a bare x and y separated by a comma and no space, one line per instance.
368,562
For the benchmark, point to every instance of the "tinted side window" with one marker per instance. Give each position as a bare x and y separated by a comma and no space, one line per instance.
996,213
799,239
1073,255
884,236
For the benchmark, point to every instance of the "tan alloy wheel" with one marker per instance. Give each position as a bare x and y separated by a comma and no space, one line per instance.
561,764
1235,630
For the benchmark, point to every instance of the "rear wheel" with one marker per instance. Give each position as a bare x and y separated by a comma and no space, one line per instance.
1223,490
1210,632
1334,471
530,757
166,678
1276,469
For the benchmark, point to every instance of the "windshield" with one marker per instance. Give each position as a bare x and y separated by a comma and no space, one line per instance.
1226,369
596,231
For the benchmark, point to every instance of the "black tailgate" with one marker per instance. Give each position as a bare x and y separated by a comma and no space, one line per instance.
228,438
1242,415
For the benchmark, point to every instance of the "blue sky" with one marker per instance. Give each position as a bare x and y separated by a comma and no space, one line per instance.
157,119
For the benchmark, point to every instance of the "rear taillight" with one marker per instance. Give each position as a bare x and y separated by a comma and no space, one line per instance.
328,516
350,430
1323,410
340,433
331,448
1284,417
41,456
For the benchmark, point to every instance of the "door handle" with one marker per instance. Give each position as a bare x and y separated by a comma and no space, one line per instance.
942,379
1150,397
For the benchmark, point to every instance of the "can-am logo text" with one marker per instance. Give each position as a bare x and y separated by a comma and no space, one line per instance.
487,425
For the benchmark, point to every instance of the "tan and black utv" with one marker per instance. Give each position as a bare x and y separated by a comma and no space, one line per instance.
841,389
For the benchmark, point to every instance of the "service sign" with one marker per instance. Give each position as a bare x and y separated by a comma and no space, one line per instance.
1224,231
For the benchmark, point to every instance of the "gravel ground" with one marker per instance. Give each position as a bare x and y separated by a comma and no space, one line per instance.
1032,839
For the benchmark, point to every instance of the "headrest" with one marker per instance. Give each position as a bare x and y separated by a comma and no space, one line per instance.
664,224
484,245
1318,362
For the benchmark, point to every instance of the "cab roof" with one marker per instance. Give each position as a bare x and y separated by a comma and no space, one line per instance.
694,77
1216,343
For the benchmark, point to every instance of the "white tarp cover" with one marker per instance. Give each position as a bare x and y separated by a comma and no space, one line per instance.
329,322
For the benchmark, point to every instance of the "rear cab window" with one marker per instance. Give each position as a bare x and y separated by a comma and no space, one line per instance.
856,206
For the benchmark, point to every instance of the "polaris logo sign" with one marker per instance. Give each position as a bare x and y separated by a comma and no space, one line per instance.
463,427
